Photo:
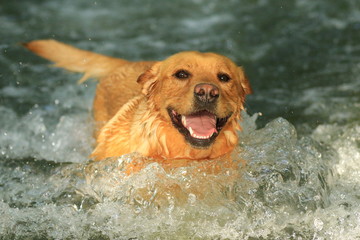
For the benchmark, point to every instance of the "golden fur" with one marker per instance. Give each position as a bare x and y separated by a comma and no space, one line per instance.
132,100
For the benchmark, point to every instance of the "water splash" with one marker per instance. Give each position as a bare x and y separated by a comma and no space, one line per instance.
279,187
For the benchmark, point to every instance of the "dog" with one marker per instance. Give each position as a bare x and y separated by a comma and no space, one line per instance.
184,107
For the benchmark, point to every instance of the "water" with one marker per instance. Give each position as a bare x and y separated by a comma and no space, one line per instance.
301,137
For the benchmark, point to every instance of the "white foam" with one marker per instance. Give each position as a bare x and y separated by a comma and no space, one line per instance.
345,141
43,133
71,141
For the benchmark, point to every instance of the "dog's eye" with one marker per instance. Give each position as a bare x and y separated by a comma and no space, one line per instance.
182,74
223,77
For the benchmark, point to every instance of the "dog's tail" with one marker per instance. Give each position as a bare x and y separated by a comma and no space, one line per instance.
73,59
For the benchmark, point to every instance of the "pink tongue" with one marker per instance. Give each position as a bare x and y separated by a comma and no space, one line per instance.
203,124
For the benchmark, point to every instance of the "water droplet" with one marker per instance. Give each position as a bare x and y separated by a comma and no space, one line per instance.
318,224
191,198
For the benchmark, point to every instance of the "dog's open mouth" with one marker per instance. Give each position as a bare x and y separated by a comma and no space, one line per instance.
200,128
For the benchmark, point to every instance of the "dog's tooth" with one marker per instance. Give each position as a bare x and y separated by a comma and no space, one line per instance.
183,120
191,131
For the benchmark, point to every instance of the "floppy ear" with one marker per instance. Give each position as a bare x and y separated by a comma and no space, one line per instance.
149,78
244,81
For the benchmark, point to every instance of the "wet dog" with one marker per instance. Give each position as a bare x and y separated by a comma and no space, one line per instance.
185,107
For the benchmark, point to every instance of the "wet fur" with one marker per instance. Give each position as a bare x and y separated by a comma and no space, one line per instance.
132,97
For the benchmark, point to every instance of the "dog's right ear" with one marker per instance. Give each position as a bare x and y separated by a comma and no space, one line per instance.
245,84
149,78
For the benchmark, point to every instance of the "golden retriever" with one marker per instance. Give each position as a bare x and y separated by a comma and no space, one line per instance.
185,107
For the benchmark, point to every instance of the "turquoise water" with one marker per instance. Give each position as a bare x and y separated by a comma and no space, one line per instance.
301,137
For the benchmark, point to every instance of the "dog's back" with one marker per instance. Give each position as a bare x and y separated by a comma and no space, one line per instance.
117,77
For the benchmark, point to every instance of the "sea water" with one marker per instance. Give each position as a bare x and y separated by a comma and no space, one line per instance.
298,156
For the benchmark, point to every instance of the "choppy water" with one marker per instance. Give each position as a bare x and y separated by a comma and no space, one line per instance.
302,176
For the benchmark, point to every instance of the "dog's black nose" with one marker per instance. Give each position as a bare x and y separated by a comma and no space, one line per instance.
206,92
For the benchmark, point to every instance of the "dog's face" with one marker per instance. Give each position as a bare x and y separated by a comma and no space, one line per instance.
199,93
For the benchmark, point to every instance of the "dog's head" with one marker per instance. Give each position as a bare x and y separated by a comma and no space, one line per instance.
199,93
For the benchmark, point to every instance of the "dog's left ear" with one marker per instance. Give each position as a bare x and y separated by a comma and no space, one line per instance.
244,81
149,78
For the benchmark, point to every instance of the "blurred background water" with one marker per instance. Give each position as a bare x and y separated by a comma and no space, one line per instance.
302,175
